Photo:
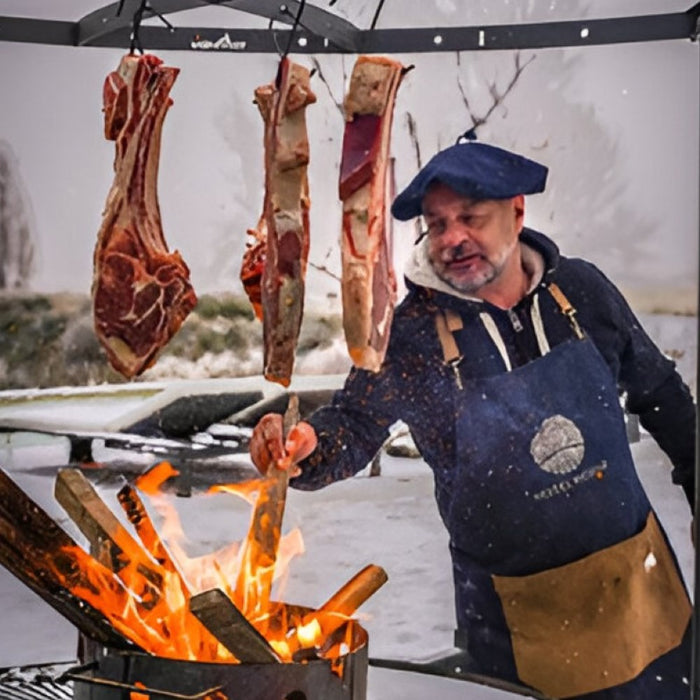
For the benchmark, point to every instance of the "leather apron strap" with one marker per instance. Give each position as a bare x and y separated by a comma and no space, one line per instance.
566,308
448,321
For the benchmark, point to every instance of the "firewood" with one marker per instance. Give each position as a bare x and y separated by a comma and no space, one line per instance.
137,515
38,552
139,569
317,631
252,592
225,621
107,536
336,611
110,542
349,597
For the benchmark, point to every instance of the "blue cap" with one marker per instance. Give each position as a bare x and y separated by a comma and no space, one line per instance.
474,170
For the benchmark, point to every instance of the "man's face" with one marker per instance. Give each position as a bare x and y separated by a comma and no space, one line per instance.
471,243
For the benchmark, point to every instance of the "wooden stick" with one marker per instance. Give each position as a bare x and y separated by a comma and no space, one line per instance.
336,611
37,551
137,515
347,599
254,581
225,621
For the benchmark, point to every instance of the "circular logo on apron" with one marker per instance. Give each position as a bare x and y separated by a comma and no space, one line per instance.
558,445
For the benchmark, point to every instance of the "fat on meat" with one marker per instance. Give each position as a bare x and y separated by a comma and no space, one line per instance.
277,259
368,278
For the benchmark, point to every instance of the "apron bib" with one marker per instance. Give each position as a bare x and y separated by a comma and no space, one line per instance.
544,478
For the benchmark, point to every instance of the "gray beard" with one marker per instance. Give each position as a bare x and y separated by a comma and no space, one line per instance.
467,287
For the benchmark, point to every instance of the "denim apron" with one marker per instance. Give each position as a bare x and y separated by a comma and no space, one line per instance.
544,477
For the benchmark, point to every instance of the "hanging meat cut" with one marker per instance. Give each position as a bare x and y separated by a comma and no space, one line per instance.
253,265
279,254
368,280
141,291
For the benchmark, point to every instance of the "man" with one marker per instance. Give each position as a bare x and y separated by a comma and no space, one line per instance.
507,361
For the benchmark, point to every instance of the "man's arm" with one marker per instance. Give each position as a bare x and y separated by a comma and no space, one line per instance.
351,429
654,389
337,440
666,410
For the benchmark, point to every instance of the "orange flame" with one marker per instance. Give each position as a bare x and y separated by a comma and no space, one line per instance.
147,599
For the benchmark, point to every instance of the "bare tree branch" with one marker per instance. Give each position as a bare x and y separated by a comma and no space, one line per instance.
497,95
322,78
413,134
324,269
17,252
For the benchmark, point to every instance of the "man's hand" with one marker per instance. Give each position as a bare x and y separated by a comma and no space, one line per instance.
268,447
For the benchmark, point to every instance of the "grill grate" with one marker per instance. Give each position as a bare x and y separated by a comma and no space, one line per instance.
36,683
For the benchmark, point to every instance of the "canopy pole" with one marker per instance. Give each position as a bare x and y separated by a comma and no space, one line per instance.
695,683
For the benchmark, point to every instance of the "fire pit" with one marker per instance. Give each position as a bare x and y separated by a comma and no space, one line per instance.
117,675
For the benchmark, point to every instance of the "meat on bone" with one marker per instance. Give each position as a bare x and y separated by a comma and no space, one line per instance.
368,279
141,291
282,236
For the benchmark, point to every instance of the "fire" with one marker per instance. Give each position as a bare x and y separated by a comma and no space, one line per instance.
145,589
310,633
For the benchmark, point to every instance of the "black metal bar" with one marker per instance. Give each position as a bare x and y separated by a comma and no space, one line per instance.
454,665
38,31
571,33
373,24
315,39
220,40
338,31
95,27
151,692
695,675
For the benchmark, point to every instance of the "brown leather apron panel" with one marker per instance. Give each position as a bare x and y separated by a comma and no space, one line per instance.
599,621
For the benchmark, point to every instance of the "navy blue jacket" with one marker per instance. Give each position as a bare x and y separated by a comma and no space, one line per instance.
414,384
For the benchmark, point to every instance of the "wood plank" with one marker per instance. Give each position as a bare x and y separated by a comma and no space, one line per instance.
225,621
36,550
110,541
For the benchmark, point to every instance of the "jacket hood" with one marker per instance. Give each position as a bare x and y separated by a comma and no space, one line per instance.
540,257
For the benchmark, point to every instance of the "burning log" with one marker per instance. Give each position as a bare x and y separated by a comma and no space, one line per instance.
136,514
33,548
116,548
157,595
134,596
316,633
228,624
347,599
252,592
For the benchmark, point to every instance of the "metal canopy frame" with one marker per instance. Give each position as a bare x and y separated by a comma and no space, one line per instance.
320,31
